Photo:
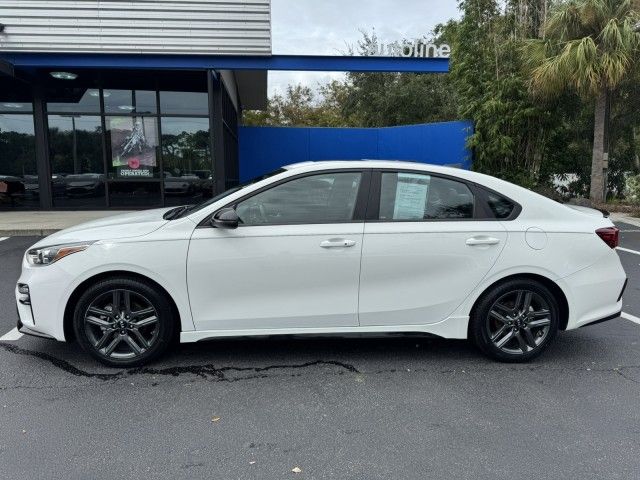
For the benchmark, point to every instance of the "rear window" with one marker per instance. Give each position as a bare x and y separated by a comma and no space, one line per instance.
501,207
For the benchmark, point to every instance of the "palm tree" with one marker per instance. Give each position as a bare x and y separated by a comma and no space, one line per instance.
588,46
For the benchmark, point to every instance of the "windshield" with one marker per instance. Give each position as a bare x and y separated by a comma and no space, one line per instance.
200,206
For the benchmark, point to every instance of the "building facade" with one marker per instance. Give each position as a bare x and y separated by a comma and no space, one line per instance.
120,104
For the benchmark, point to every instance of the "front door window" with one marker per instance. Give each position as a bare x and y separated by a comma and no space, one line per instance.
314,199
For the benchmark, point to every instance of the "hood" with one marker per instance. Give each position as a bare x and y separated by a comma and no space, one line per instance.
128,225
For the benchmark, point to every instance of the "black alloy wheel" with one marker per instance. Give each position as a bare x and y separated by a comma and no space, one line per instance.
515,321
123,322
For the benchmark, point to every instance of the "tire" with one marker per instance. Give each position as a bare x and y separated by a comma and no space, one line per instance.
135,333
515,321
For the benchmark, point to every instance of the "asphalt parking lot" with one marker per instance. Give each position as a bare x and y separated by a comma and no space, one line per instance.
344,408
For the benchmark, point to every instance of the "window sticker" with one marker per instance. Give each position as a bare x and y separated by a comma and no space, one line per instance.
411,196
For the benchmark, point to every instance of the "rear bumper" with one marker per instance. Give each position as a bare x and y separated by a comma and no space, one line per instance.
605,319
595,293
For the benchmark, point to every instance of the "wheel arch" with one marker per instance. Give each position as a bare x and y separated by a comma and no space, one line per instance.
555,289
69,334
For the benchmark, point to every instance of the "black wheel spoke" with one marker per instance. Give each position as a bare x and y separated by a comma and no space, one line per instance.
98,321
133,345
543,322
127,302
111,347
540,314
105,338
143,313
529,338
100,312
522,344
146,321
498,316
140,338
116,301
505,339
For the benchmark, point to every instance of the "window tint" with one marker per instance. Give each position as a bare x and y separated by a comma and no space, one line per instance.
325,198
413,196
500,206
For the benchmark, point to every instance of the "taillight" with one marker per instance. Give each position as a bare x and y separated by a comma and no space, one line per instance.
609,235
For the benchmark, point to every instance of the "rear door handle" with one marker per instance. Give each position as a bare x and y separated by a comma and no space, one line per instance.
337,243
473,241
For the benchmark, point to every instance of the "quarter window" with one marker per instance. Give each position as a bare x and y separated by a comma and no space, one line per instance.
414,197
326,198
500,206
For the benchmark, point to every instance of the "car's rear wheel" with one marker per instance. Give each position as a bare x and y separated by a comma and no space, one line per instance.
123,322
515,321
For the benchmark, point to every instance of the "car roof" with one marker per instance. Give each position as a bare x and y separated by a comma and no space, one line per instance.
402,164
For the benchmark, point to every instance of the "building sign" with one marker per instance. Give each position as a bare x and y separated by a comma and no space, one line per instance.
134,142
417,49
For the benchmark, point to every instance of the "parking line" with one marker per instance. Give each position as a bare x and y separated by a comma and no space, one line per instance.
628,250
631,318
4,238
11,336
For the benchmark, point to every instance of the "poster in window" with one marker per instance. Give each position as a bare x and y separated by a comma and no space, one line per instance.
134,142
411,196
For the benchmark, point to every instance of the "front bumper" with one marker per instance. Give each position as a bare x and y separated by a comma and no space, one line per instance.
43,313
28,331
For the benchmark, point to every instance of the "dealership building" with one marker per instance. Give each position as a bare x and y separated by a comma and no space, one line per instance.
136,104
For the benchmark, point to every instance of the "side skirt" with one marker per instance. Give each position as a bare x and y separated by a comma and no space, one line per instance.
452,327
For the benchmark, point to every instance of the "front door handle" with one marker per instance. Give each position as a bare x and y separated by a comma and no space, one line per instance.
337,243
473,241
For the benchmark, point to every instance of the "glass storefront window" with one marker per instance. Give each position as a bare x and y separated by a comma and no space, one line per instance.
184,103
77,169
130,101
186,156
75,100
114,147
132,143
18,174
134,194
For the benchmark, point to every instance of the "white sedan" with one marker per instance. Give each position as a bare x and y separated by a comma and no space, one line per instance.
329,247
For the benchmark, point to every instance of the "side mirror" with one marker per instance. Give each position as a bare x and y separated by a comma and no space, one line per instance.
226,218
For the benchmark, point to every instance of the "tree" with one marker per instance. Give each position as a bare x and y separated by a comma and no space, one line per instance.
512,133
589,46
386,99
301,107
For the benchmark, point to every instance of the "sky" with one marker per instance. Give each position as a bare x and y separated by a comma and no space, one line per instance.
328,27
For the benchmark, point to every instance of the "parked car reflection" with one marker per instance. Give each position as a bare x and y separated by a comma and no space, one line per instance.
11,189
194,183
84,185
32,185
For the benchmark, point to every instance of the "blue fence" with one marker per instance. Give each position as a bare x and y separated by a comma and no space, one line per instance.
263,149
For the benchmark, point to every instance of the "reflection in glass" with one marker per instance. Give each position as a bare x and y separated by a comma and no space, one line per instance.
18,171
76,100
184,103
9,106
77,169
130,101
133,147
186,155
134,194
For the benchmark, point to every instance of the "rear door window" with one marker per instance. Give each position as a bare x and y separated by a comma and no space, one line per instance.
408,196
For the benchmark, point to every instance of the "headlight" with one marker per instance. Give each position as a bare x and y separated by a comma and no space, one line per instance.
48,255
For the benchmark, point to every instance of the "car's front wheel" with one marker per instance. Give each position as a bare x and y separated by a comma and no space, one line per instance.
515,321
123,322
